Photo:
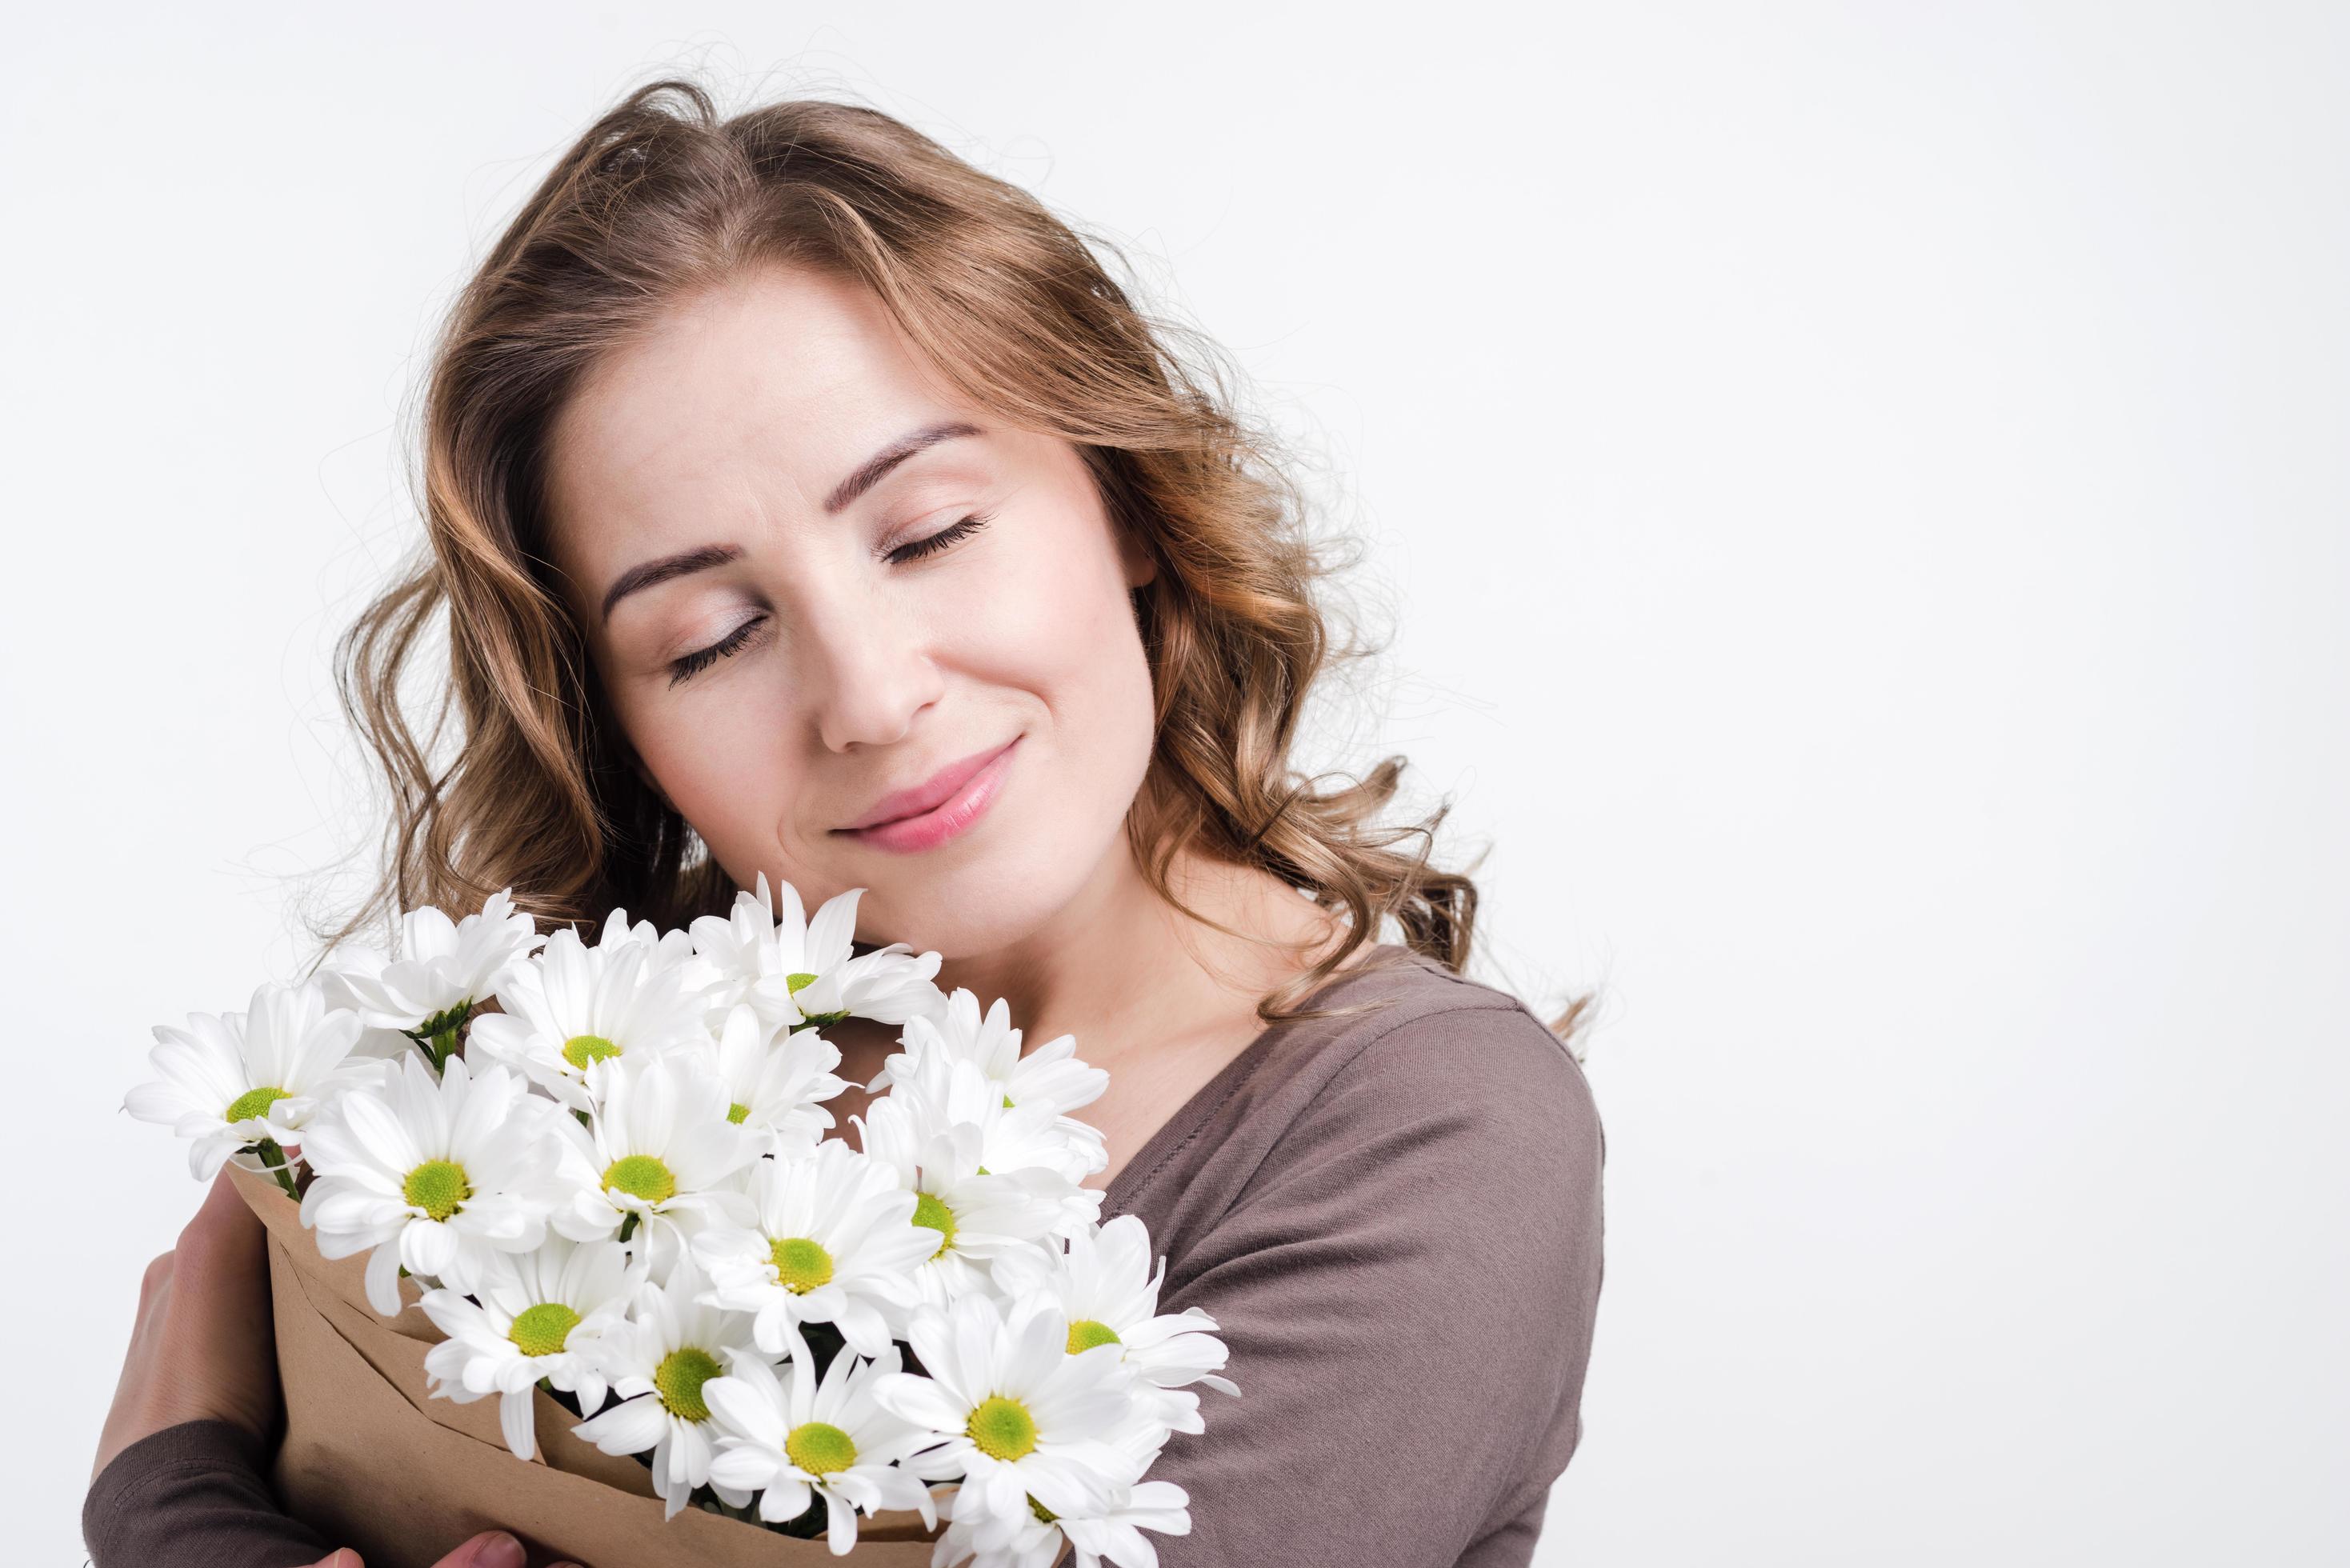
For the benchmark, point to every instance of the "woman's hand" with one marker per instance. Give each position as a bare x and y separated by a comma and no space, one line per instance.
491,1548
204,1348
201,1348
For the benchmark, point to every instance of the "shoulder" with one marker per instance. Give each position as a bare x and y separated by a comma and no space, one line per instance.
1428,1036
1445,1079
1443,1129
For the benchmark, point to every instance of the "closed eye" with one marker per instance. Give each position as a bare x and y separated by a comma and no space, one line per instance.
688,666
940,540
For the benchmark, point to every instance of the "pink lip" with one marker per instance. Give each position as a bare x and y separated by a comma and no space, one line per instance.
939,808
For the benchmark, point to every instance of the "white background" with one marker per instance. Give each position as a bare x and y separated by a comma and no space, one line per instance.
1859,493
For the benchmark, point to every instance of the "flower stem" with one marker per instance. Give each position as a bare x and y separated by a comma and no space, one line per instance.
439,1036
274,1159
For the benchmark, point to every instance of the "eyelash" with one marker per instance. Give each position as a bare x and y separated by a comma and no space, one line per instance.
687,667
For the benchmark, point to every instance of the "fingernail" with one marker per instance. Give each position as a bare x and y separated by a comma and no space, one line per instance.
498,1551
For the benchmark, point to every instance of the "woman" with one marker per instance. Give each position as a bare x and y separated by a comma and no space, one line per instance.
805,501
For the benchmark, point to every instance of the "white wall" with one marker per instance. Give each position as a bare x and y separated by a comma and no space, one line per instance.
1862,492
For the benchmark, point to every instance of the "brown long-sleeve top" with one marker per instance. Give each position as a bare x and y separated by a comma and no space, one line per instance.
1394,1216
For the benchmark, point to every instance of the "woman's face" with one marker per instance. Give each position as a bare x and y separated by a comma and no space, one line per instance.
811,579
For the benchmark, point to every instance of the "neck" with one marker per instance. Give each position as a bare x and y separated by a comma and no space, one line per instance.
1122,969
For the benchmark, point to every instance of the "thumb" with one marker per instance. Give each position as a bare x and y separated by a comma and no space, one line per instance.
491,1548
342,1557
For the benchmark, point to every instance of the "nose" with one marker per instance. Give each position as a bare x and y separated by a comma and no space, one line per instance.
872,674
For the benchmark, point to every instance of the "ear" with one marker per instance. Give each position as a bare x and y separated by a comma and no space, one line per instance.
1135,560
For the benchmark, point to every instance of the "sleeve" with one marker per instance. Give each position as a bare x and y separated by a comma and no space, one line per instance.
1408,1288
192,1496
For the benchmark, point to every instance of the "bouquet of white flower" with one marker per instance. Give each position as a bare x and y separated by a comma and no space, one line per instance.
595,1181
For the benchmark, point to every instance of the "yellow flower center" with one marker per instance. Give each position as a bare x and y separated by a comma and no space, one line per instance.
642,1177
252,1102
541,1330
801,1264
1043,1515
820,1448
1085,1334
678,1379
933,1215
799,982
736,1111
581,1050
438,1186
1002,1429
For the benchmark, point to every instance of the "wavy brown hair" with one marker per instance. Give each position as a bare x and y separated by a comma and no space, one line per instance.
662,199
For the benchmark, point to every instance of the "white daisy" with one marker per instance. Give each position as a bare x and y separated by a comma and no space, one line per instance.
1016,1415
541,1314
795,1439
940,1090
1117,1534
671,950
972,1532
252,1079
799,972
776,1082
1035,1540
979,1213
660,1360
568,1013
665,1158
426,989
1136,1505
1104,1284
1048,1075
434,1173
833,1241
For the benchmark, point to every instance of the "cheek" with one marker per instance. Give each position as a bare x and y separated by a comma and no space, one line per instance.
725,767
1065,644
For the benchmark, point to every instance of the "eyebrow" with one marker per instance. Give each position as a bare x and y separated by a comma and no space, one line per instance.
868,475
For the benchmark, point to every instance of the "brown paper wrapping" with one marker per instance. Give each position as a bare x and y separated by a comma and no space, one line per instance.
373,1462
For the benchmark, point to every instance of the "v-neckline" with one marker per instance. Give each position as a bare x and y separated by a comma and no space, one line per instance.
1178,1129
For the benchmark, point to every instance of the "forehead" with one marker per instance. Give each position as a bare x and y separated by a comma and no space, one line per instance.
763,393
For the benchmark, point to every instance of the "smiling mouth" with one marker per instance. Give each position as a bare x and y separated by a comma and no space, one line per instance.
927,795
939,808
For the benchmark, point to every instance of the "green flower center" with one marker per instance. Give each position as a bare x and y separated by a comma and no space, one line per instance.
736,1111
933,1215
1043,1515
1002,1429
799,982
678,1379
252,1102
1007,1106
801,1265
581,1050
1085,1334
642,1177
541,1330
438,1186
820,1448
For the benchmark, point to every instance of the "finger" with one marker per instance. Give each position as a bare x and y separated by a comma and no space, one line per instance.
157,1279
491,1548
342,1557
225,1240
224,1214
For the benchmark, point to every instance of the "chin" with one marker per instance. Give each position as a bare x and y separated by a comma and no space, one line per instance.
960,911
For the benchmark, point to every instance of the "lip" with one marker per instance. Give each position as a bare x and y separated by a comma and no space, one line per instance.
939,808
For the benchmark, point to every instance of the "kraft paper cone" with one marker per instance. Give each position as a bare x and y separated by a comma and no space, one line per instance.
373,1462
